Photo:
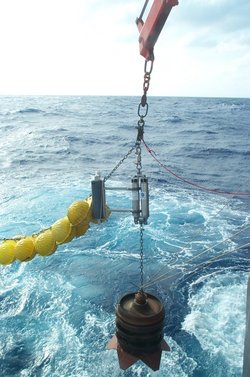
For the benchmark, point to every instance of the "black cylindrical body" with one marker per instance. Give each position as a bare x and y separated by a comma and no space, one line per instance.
98,199
139,327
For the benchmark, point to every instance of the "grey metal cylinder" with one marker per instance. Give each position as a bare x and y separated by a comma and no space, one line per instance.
144,199
135,199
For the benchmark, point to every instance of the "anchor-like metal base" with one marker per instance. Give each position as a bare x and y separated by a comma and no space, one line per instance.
139,330
126,359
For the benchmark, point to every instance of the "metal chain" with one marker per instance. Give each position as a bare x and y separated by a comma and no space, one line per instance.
148,67
138,160
142,113
141,258
119,163
140,133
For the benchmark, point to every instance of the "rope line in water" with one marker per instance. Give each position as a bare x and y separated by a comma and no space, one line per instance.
196,234
218,243
203,252
211,190
165,275
199,265
211,260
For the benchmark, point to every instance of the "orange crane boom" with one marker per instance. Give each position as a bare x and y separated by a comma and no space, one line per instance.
151,28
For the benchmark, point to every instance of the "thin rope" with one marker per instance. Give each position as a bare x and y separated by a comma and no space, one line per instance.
154,276
202,264
163,276
207,263
198,255
214,191
206,250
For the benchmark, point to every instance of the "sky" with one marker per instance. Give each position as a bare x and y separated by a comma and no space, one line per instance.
90,47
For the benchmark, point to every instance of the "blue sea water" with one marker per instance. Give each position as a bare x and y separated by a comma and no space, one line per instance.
57,313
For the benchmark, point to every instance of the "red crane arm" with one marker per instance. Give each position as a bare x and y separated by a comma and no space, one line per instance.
151,28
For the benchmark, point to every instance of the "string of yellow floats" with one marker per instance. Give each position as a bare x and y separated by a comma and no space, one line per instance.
74,224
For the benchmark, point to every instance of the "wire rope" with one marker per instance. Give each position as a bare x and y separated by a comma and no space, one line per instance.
164,276
211,190
197,233
202,264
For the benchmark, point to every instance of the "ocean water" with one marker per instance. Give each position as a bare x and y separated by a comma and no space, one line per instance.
57,313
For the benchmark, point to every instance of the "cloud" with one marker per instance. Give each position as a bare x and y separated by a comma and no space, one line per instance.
215,12
91,47
212,20
205,49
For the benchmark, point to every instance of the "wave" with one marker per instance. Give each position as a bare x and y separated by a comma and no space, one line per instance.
29,110
174,119
58,312
217,318
224,152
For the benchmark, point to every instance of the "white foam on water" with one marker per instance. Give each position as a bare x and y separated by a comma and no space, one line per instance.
65,335
66,332
217,315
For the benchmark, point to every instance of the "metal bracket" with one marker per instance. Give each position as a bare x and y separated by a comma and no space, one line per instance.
140,198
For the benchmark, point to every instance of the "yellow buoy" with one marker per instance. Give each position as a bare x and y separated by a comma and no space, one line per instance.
75,224
32,255
81,228
45,243
25,249
71,235
88,217
7,252
61,230
78,211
